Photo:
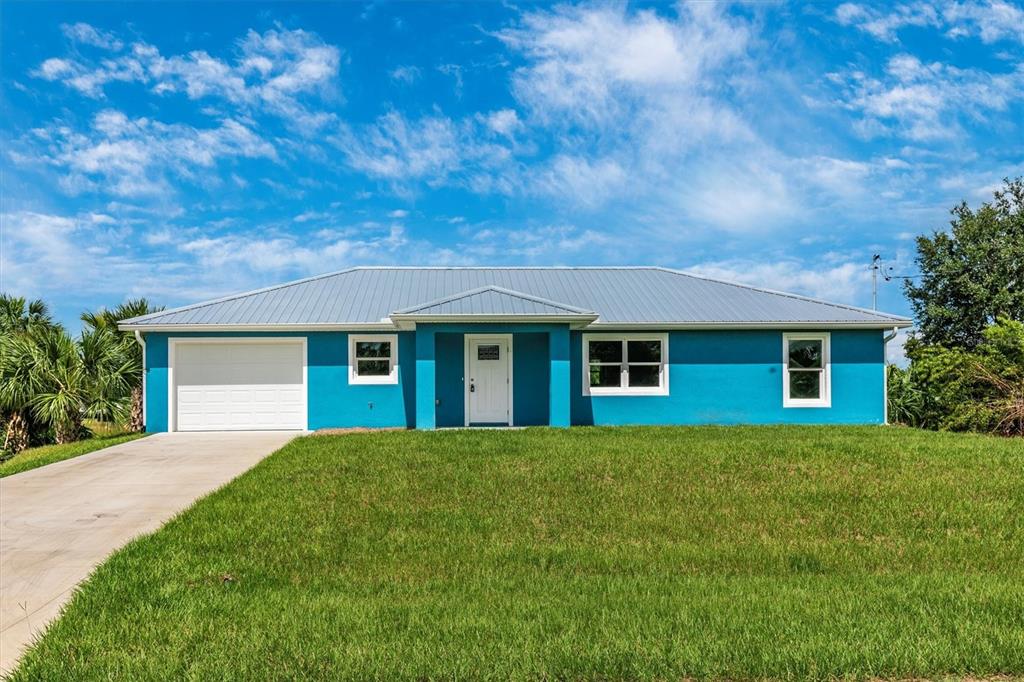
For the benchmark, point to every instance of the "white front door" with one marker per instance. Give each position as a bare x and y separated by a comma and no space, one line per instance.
489,380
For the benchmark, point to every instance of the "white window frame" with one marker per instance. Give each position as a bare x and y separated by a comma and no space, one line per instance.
391,377
825,400
624,388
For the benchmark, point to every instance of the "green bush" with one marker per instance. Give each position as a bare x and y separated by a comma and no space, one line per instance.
953,389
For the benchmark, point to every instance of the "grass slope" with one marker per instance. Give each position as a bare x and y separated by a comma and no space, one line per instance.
748,552
48,454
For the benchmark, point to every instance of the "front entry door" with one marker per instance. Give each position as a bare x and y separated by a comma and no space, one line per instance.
489,385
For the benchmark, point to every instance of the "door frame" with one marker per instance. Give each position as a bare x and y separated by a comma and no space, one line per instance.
467,345
172,350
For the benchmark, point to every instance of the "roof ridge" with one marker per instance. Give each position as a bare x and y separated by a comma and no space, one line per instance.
786,294
491,287
232,297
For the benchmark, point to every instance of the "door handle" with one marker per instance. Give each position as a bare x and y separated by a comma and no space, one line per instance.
472,387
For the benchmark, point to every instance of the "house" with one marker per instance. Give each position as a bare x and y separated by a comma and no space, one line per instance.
435,347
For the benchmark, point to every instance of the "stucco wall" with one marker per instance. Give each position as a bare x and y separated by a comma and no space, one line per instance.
715,377
735,377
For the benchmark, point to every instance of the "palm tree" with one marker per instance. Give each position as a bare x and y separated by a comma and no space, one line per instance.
17,315
43,374
128,372
18,318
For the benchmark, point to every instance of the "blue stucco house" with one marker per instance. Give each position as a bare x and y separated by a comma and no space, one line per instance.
439,347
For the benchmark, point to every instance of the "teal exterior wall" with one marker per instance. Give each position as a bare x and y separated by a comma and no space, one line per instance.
715,377
735,377
529,379
332,402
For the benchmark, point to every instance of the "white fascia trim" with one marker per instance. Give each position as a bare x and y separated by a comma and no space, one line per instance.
372,326
725,326
580,320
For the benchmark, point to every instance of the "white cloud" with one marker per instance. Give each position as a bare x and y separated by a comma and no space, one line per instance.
990,21
584,60
503,122
134,157
927,101
843,282
398,213
886,25
589,183
399,150
278,71
405,74
88,35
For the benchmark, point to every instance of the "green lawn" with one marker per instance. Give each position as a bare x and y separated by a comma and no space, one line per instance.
774,552
31,458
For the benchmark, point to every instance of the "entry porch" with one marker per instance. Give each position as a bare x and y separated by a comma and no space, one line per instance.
489,374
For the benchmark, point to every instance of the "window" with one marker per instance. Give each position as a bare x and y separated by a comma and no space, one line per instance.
625,365
373,359
807,377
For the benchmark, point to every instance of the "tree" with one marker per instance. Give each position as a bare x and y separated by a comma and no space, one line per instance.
973,274
128,374
18,317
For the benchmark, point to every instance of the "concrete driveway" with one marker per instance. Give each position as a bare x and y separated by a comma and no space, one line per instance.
59,521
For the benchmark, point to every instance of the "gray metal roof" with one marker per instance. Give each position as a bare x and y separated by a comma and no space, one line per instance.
492,300
620,296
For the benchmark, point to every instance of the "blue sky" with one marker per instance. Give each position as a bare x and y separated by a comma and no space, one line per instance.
183,151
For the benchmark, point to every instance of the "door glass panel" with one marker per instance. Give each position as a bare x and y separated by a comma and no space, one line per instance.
643,376
644,351
489,352
805,385
606,351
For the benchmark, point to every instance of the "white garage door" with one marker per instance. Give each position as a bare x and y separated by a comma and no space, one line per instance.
239,386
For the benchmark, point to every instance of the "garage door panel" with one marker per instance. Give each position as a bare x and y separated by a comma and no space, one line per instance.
240,386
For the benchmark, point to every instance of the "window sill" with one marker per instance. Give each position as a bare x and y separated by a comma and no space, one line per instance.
806,403
354,380
620,392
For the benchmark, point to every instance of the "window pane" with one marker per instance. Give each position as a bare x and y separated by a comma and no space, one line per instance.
644,351
373,349
488,352
804,385
805,353
644,375
606,351
605,376
373,368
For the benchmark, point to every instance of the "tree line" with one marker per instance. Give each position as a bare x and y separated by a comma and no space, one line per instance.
51,381
966,370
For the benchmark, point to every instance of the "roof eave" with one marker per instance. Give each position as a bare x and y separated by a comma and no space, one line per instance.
256,327
807,324
410,320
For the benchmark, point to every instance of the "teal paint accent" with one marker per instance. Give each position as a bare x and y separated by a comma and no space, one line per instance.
156,383
735,377
332,401
559,401
530,374
724,377
450,352
425,378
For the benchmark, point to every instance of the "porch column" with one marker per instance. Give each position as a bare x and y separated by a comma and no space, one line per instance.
425,387
559,390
